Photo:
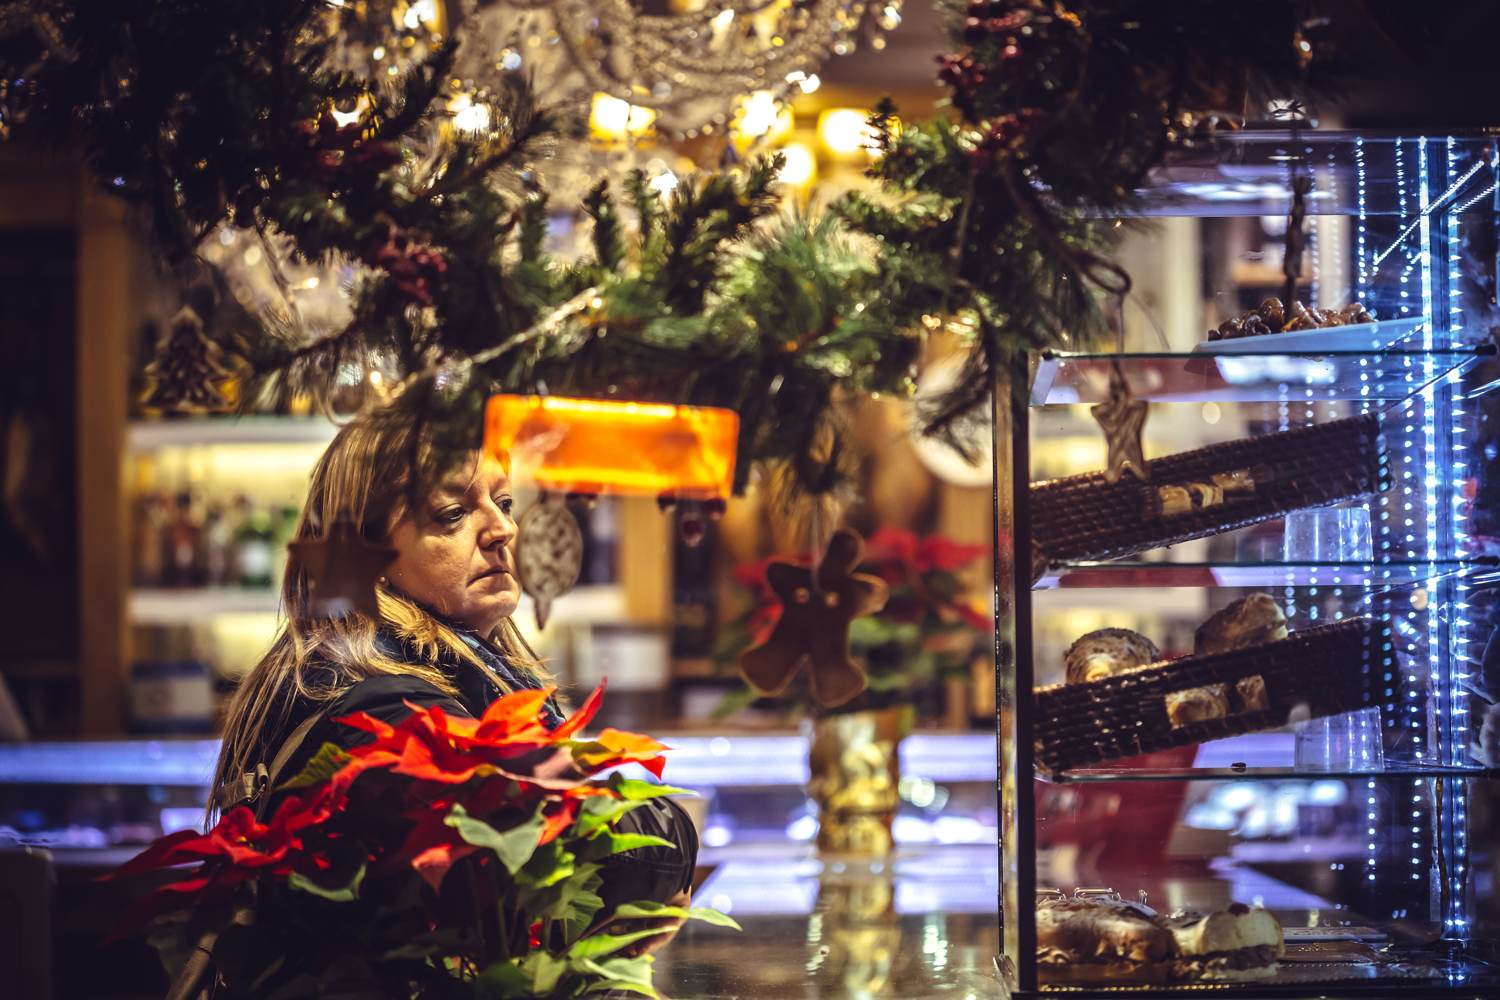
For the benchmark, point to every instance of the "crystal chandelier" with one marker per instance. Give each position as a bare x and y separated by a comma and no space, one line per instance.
686,67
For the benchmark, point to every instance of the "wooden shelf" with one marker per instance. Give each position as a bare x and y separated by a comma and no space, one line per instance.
151,435
188,606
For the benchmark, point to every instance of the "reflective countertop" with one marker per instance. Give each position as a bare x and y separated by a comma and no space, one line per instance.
920,924
923,923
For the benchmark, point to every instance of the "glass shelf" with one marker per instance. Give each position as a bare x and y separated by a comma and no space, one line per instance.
1249,376
1105,773
1406,334
1137,573
1245,173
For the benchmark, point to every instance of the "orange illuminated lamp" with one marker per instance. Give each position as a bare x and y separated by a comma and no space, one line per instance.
611,446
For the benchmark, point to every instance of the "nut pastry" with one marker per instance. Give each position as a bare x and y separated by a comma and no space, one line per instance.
1249,621
1107,652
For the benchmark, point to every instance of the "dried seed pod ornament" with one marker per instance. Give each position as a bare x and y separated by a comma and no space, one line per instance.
549,552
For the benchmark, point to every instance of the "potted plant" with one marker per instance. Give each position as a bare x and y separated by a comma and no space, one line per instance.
928,630
445,858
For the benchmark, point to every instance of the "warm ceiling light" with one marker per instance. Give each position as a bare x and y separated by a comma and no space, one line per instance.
761,114
468,116
614,119
801,165
846,131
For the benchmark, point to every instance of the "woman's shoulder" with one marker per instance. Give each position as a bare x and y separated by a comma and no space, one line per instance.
387,697
390,697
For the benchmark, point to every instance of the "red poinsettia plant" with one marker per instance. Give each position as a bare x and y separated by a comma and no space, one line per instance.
928,629
446,857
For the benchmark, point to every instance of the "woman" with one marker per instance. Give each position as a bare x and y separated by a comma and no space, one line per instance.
444,635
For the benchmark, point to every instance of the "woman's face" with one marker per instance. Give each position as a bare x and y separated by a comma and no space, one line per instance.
454,549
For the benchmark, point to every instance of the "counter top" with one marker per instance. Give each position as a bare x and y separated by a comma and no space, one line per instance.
695,761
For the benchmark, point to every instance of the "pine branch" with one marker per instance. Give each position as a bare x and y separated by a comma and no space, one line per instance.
609,243
533,229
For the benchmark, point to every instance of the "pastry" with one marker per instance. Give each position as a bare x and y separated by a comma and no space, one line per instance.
1103,940
1086,941
1174,499
1250,621
1238,481
1197,705
1236,944
1205,495
1107,652
1251,694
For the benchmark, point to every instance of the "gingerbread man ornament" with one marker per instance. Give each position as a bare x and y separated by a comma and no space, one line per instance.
814,624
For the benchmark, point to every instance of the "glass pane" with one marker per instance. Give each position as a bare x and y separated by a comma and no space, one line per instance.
1268,573
1237,174
1251,377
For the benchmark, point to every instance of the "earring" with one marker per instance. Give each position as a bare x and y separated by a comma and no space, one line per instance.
384,581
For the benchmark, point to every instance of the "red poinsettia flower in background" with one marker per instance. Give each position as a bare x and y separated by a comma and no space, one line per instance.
918,569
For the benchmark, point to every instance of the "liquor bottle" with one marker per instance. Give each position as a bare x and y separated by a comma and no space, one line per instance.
184,539
219,549
150,540
283,531
254,546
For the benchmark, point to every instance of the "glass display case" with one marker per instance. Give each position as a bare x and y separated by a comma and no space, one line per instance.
1368,833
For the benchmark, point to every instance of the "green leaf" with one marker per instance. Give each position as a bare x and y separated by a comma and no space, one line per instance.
342,894
605,844
513,847
636,790
600,812
328,761
650,910
596,945
551,864
501,981
543,970
630,974
581,909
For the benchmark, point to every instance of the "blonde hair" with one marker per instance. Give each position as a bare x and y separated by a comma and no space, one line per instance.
367,477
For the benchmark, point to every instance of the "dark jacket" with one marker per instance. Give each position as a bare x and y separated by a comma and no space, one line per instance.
649,873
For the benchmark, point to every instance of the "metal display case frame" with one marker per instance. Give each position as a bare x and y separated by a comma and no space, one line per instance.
1419,235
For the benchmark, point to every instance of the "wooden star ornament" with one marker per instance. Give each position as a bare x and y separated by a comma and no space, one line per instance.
1123,419
341,571
814,624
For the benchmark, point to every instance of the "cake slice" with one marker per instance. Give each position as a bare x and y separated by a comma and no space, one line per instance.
1100,941
1239,943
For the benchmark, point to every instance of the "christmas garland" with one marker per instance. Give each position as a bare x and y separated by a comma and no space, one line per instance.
1002,216
228,115
987,224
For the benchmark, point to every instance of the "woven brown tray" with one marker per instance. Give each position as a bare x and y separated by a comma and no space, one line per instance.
1330,669
1085,517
